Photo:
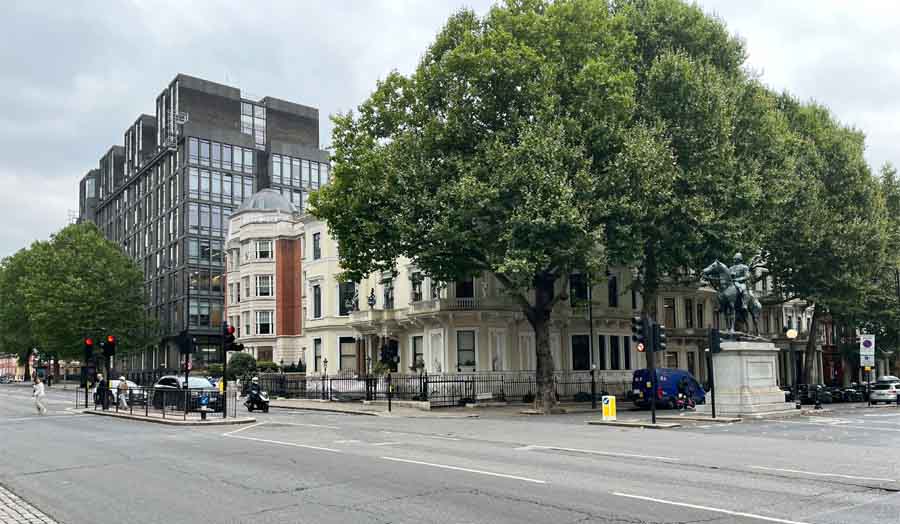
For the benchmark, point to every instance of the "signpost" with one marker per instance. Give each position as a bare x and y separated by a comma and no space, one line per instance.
609,408
867,358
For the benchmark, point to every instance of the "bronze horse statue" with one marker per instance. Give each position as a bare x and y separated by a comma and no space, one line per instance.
736,305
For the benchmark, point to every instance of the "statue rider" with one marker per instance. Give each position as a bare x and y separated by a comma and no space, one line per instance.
740,274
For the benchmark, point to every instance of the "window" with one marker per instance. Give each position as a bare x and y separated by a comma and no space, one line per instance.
317,247
465,288
306,182
601,352
216,154
700,315
263,249
193,151
317,301
226,156
194,218
465,349
346,298
614,360
613,291
264,354
669,313
418,352
204,153
264,286
626,345
246,284
388,291
248,161
671,360
578,290
688,313
347,349
264,323
276,169
416,287
581,352
317,354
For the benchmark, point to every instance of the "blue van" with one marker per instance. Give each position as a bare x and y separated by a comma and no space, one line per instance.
667,391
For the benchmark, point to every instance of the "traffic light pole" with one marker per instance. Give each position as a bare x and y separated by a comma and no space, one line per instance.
712,381
651,365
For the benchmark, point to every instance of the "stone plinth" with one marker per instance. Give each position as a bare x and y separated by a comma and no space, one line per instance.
745,380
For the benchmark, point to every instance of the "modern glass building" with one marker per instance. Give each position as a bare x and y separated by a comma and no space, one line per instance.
166,197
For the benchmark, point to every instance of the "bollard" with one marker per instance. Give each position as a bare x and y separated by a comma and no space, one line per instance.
818,403
390,391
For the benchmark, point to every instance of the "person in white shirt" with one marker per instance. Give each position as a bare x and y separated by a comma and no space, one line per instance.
38,395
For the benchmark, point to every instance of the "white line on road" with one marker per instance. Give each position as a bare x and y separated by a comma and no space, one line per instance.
245,428
842,426
386,443
304,425
420,435
40,417
886,415
595,452
348,441
292,444
876,479
707,508
455,468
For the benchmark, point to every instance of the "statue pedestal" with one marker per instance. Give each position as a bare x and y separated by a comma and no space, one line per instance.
745,380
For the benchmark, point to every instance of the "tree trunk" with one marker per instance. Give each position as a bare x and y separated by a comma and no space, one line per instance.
539,318
811,364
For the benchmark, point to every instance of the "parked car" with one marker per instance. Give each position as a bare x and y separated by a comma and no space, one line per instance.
136,394
885,392
887,378
837,393
667,390
6,380
165,393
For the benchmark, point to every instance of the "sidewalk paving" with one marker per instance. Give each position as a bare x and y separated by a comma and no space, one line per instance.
14,510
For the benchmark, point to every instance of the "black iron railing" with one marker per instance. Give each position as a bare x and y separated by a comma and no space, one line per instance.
159,402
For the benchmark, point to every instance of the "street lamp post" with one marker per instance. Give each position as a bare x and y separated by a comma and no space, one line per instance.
324,376
791,334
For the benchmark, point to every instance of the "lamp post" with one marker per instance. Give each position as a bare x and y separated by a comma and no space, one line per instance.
324,375
791,334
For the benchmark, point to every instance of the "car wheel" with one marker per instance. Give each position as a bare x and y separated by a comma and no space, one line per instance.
266,409
250,408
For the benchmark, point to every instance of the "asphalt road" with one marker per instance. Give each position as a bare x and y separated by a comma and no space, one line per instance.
297,466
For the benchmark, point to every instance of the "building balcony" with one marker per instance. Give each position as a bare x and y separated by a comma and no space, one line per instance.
437,305
371,316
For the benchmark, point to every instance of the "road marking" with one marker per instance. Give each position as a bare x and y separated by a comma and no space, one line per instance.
350,441
304,425
419,435
595,452
245,428
841,426
852,477
887,415
279,442
41,417
456,468
707,508
386,443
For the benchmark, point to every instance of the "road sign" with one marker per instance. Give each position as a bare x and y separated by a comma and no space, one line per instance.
867,350
640,347
609,408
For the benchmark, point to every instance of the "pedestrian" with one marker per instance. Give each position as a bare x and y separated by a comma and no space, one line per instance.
100,392
122,393
37,392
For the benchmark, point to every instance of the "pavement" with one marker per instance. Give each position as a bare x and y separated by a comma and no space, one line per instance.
296,465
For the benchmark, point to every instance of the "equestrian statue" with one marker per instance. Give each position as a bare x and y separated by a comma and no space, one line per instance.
736,299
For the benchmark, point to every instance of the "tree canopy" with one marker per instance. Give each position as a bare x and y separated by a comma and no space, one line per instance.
549,138
77,284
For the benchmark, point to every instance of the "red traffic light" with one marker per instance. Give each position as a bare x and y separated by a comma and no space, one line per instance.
231,330
88,342
111,339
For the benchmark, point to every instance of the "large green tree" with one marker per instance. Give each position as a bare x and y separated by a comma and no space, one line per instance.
77,284
528,141
828,243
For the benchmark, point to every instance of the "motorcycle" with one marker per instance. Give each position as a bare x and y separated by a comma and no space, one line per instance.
684,402
257,401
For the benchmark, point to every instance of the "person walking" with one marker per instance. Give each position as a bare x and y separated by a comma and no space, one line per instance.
122,393
37,392
100,392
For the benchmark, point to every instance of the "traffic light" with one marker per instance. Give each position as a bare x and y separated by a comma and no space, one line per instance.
715,341
109,346
659,337
228,333
638,333
88,349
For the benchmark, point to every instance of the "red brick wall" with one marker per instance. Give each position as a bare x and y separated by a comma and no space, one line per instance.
288,309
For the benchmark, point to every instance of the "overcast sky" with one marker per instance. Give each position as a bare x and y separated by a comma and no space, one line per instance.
75,74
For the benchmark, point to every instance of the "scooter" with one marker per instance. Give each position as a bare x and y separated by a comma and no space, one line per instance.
684,402
257,401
